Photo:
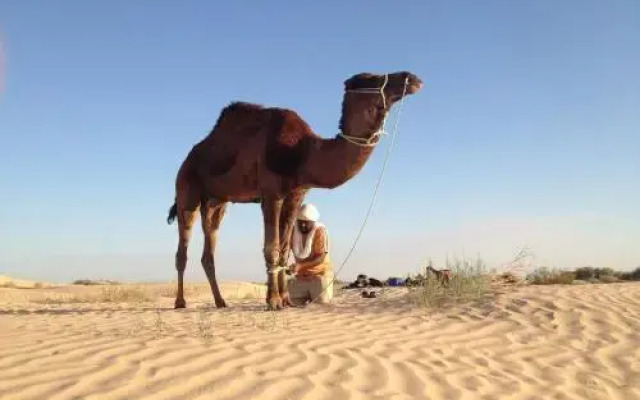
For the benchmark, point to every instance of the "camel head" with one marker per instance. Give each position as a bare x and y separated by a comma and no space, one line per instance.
368,99
389,87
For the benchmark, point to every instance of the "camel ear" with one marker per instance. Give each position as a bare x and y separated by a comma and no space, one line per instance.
357,80
348,84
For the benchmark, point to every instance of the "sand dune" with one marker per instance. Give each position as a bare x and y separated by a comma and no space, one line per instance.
7,282
552,342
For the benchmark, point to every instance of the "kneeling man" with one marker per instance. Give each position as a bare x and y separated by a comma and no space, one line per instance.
313,271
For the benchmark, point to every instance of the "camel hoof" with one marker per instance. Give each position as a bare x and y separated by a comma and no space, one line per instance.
180,303
286,300
221,304
274,304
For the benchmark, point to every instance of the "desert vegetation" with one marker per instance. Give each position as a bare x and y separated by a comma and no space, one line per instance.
114,292
554,276
469,282
472,281
95,282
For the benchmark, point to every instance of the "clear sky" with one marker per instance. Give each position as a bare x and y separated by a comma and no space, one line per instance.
527,132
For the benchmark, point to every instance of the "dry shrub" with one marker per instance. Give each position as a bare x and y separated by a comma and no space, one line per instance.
95,282
190,289
609,279
204,290
506,279
107,294
124,294
470,282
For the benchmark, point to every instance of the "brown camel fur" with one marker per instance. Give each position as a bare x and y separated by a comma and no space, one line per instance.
443,275
271,156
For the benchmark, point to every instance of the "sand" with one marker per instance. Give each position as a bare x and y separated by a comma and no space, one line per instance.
6,281
542,342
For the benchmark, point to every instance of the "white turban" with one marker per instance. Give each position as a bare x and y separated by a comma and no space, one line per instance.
302,246
308,212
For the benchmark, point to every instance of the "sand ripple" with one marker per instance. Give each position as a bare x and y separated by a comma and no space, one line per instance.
560,342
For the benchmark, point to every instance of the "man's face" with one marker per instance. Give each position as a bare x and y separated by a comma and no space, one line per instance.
305,226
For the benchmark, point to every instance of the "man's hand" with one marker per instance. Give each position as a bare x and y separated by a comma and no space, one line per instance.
291,269
314,261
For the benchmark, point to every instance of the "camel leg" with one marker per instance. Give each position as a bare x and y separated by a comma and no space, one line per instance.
186,218
271,216
212,212
287,220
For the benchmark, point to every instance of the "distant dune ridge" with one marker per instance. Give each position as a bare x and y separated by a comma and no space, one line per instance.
7,282
127,342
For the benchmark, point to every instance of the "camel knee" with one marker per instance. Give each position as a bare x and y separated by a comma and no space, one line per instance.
271,255
181,259
283,257
207,260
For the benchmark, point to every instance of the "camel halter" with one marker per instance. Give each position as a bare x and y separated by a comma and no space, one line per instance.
374,139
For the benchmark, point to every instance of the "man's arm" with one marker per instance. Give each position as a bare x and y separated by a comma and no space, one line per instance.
315,260
319,249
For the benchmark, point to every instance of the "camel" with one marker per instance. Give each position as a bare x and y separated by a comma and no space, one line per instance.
443,275
270,156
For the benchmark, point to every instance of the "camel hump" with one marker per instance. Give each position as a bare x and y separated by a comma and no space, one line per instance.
240,118
286,134
243,106
238,111
289,140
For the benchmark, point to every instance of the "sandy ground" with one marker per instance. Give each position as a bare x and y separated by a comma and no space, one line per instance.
6,281
544,342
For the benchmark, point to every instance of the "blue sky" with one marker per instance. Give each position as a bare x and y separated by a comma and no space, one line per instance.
527,132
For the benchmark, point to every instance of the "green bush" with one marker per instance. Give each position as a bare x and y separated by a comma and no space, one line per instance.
92,282
602,272
548,276
585,273
631,275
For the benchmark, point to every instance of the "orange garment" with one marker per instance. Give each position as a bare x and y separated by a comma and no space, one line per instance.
307,268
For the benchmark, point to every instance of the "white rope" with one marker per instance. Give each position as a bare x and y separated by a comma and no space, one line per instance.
363,142
375,191
375,136
377,90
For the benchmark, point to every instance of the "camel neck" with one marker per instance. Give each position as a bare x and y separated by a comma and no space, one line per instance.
332,162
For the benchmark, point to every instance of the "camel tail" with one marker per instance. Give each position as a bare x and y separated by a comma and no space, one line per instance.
173,211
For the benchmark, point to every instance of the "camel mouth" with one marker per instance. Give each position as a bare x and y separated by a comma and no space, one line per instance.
414,87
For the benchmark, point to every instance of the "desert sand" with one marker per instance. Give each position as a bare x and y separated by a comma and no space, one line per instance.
6,281
531,342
